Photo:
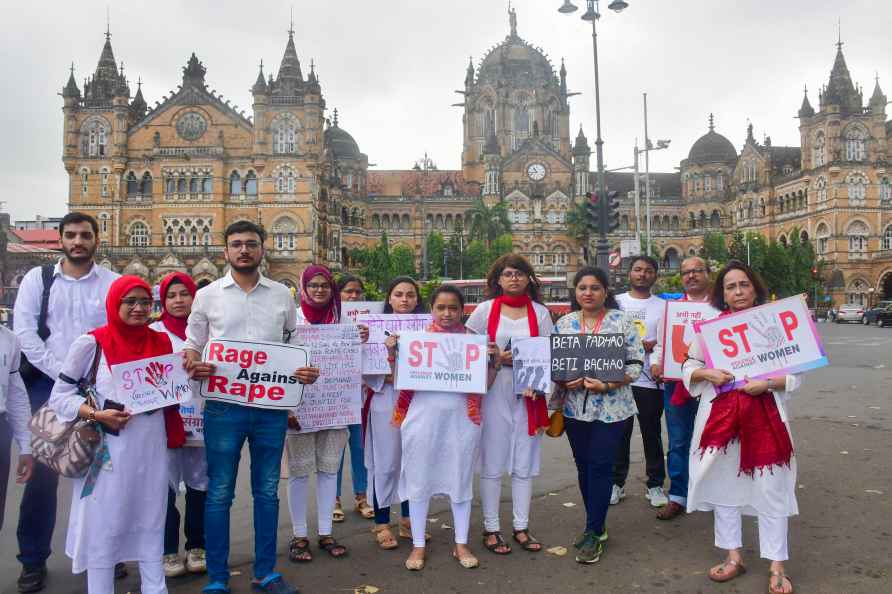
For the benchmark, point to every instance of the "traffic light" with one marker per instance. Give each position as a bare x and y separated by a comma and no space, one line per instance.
592,211
612,211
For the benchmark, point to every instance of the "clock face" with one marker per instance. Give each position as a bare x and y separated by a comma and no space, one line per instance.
536,171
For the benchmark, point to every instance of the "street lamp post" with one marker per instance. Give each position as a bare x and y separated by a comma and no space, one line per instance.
592,14
661,144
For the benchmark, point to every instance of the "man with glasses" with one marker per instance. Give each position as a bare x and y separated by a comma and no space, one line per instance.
680,418
55,305
242,305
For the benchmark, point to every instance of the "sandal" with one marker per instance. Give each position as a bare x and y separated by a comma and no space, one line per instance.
299,550
499,543
468,561
776,582
332,547
721,575
529,543
337,516
385,537
415,564
362,507
406,531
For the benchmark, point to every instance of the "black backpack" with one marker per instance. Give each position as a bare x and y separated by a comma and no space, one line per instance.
30,374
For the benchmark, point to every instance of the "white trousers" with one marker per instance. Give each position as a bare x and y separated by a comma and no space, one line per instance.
461,517
521,495
151,574
773,533
298,499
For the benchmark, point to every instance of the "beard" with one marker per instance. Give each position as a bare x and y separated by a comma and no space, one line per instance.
83,258
245,268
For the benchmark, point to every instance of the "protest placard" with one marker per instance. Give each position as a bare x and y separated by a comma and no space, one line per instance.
442,362
770,340
678,333
531,359
193,421
257,374
350,310
335,400
152,383
598,356
374,353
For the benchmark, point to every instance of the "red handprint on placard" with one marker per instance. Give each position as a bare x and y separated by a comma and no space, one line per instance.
157,375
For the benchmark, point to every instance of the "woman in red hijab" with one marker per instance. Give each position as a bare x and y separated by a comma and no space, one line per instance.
186,464
118,509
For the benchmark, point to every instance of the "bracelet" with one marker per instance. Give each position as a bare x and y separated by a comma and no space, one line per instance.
91,416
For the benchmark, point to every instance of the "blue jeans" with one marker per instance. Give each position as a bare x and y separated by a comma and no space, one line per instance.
594,446
357,463
37,512
680,427
226,427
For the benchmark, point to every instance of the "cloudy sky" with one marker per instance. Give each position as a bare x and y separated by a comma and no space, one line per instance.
391,68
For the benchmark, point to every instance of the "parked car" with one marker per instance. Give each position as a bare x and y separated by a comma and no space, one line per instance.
870,316
850,313
884,318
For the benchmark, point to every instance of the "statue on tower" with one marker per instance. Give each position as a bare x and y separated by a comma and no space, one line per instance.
512,19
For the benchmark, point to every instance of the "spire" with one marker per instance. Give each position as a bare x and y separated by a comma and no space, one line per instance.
469,74
312,76
289,76
749,134
806,111
711,122
334,122
70,89
512,19
260,87
581,148
122,89
563,78
193,72
878,99
840,90
138,105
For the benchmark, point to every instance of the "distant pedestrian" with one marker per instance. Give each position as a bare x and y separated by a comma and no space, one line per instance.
15,413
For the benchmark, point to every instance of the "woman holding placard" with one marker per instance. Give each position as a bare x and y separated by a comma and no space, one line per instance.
440,441
741,460
118,509
383,447
314,451
186,464
512,426
351,288
595,410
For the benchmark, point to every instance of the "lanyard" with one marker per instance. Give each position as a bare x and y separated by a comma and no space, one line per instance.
597,327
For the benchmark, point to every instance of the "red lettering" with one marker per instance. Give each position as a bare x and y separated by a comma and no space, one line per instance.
741,329
430,346
260,358
415,353
255,391
725,337
215,351
679,348
472,354
790,322
276,393
237,389
230,356
217,383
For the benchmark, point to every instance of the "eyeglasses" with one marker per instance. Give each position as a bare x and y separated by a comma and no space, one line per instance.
85,235
248,245
693,271
318,287
133,302
513,274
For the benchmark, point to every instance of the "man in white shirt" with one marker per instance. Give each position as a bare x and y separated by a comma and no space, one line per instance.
243,305
76,305
15,412
646,311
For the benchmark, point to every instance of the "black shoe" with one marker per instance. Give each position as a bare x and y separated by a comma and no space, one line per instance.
32,579
120,571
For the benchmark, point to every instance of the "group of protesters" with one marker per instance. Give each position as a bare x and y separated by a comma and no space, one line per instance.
729,453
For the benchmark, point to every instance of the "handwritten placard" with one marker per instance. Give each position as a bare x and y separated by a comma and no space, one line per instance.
335,400
770,340
442,362
374,353
351,310
153,383
257,374
598,356
678,333
193,420
531,359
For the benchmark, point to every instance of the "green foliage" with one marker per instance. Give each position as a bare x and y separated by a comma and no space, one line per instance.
402,262
427,289
436,246
477,263
714,248
488,223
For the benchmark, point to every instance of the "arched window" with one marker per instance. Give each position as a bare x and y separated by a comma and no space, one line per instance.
823,239
285,134
857,188
235,184
707,183
821,189
132,185
675,223
251,184
285,180
522,119
139,234
85,181
858,234
94,137
624,222
671,259
285,231
761,207
780,204
715,220
407,223
440,224
145,185
887,238
782,240
207,185
749,210
818,150
183,185
103,222
538,256
696,183
193,184
885,190
856,293
720,182
855,143
376,222
692,224
103,182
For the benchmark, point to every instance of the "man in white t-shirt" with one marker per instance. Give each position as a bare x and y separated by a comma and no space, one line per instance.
646,310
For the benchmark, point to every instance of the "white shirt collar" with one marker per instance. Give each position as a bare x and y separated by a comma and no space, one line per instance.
228,281
57,271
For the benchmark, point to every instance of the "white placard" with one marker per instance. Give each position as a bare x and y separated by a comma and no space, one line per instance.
257,374
531,364
678,333
442,362
152,383
335,400
765,341
350,310
374,353
193,420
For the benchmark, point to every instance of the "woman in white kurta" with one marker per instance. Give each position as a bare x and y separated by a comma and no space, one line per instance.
741,459
118,509
383,448
507,443
440,440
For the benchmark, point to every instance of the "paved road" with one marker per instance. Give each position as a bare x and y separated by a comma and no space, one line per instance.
840,543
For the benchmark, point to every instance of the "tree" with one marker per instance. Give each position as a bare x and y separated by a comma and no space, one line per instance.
488,223
578,229
456,257
402,262
436,247
714,248
501,246
478,261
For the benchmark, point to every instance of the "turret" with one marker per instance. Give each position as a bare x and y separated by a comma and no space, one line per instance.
581,154
138,105
806,110
878,99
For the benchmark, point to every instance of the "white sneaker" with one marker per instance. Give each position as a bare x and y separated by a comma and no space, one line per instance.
195,561
618,494
657,497
173,566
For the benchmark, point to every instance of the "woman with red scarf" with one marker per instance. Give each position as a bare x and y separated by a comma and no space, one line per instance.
741,460
186,464
118,509
314,451
512,425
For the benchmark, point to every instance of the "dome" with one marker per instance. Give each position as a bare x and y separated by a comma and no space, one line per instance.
515,59
341,143
712,147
